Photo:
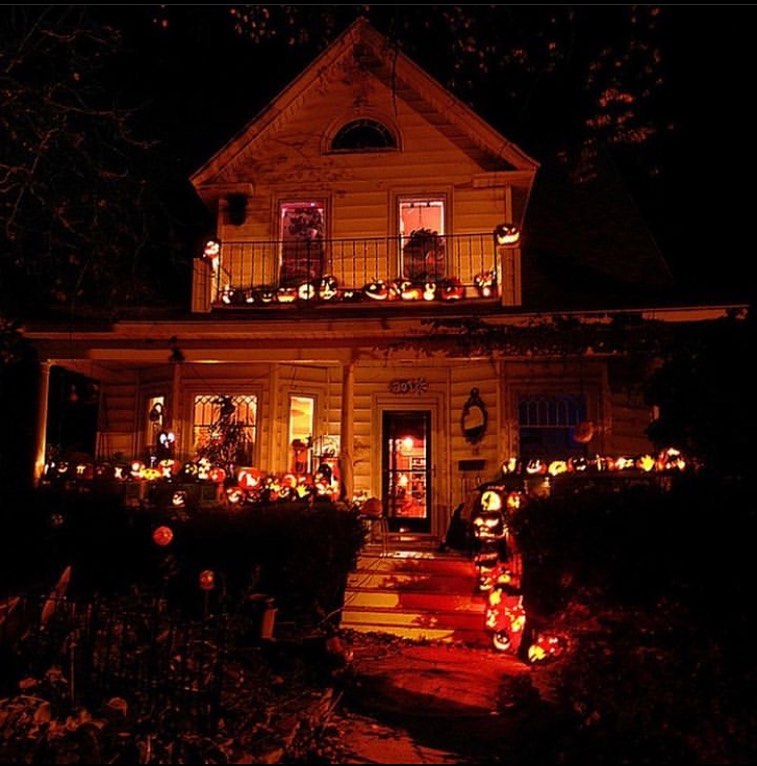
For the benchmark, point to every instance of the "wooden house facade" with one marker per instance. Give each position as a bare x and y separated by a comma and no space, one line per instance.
368,222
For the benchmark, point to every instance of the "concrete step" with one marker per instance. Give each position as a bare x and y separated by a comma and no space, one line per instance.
401,561
447,635
432,602
411,581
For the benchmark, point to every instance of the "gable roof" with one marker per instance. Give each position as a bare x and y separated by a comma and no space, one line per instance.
365,44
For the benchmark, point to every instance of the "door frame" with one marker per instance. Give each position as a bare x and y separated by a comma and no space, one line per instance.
433,402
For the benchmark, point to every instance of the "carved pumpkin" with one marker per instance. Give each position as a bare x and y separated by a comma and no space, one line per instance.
85,470
451,290
507,235
429,291
327,288
646,463
306,291
151,474
168,467
104,471
485,282
556,467
536,466
353,296
207,579
546,647
248,478
189,471
376,290
286,295
212,249
162,536
584,432
179,499
136,468
234,495
216,475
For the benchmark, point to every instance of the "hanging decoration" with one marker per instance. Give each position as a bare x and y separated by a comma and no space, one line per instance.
474,418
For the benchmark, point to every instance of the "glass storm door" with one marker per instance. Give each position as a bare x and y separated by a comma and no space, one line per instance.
406,460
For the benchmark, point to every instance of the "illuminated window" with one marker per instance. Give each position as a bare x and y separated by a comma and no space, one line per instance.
421,230
301,418
362,135
547,425
302,234
213,421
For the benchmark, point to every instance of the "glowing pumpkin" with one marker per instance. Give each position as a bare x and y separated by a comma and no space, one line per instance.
63,468
85,470
491,500
327,288
578,464
485,282
646,463
216,475
203,469
248,478
234,495
189,471
583,432
168,467
306,291
162,536
546,647
536,466
376,290
429,291
410,292
514,501
556,467
179,499
120,472
507,235
511,465
151,474
136,468
212,249
286,295
451,290
207,579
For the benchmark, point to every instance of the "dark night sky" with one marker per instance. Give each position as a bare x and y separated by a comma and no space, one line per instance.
201,83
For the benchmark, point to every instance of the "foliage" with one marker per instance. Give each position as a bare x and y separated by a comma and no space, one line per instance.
648,583
703,391
79,216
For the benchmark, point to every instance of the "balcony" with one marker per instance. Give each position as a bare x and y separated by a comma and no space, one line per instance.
425,268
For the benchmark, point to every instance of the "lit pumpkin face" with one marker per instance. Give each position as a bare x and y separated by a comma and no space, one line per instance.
306,291
584,432
556,467
151,474
514,501
491,500
203,469
511,465
234,495
168,468
63,468
267,295
162,536
85,470
212,249
376,290
216,475
248,478
578,464
451,290
286,295
410,292
104,471
546,647
536,466
120,472
136,469
179,499
646,463
488,525
429,291
190,471
507,235
485,282
207,579
327,288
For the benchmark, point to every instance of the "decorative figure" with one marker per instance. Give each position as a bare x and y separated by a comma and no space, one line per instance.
474,418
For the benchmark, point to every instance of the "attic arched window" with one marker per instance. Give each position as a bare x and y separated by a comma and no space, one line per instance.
361,135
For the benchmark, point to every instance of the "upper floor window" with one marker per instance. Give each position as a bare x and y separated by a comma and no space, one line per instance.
360,135
421,230
302,234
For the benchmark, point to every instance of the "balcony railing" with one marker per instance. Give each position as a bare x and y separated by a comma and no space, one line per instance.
429,267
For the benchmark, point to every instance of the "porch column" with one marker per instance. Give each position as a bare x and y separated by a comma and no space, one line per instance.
174,422
40,435
347,430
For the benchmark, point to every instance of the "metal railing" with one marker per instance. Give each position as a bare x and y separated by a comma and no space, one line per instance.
447,267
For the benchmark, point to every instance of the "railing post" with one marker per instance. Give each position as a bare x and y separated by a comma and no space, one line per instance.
347,429
202,285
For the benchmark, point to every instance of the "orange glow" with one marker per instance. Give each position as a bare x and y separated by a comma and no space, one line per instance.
162,536
207,579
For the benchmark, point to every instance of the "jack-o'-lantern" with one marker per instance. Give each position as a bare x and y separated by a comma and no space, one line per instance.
234,495
248,478
546,647
162,536
353,296
179,499
151,473
120,472
207,579
212,249
485,282
409,291
511,465
136,468
536,466
104,471
556,467
267,295
327,288
578,464
451,290
514,501
189,471
429,291
583,432
216,475
306,291
84,471
168,467
286,295
488,525
203,469
376,290
507,235
491,500
646,463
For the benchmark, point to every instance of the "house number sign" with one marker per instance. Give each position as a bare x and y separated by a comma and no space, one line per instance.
408,385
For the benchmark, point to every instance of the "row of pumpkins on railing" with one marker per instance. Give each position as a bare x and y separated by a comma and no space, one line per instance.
326,289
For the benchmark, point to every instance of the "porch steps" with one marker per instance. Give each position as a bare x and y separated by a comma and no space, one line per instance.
408,588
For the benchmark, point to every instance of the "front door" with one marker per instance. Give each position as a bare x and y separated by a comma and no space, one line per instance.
406,460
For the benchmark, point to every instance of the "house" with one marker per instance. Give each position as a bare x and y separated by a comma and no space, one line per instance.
378,306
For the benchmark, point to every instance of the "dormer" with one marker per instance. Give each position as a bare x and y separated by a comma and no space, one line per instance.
364,181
